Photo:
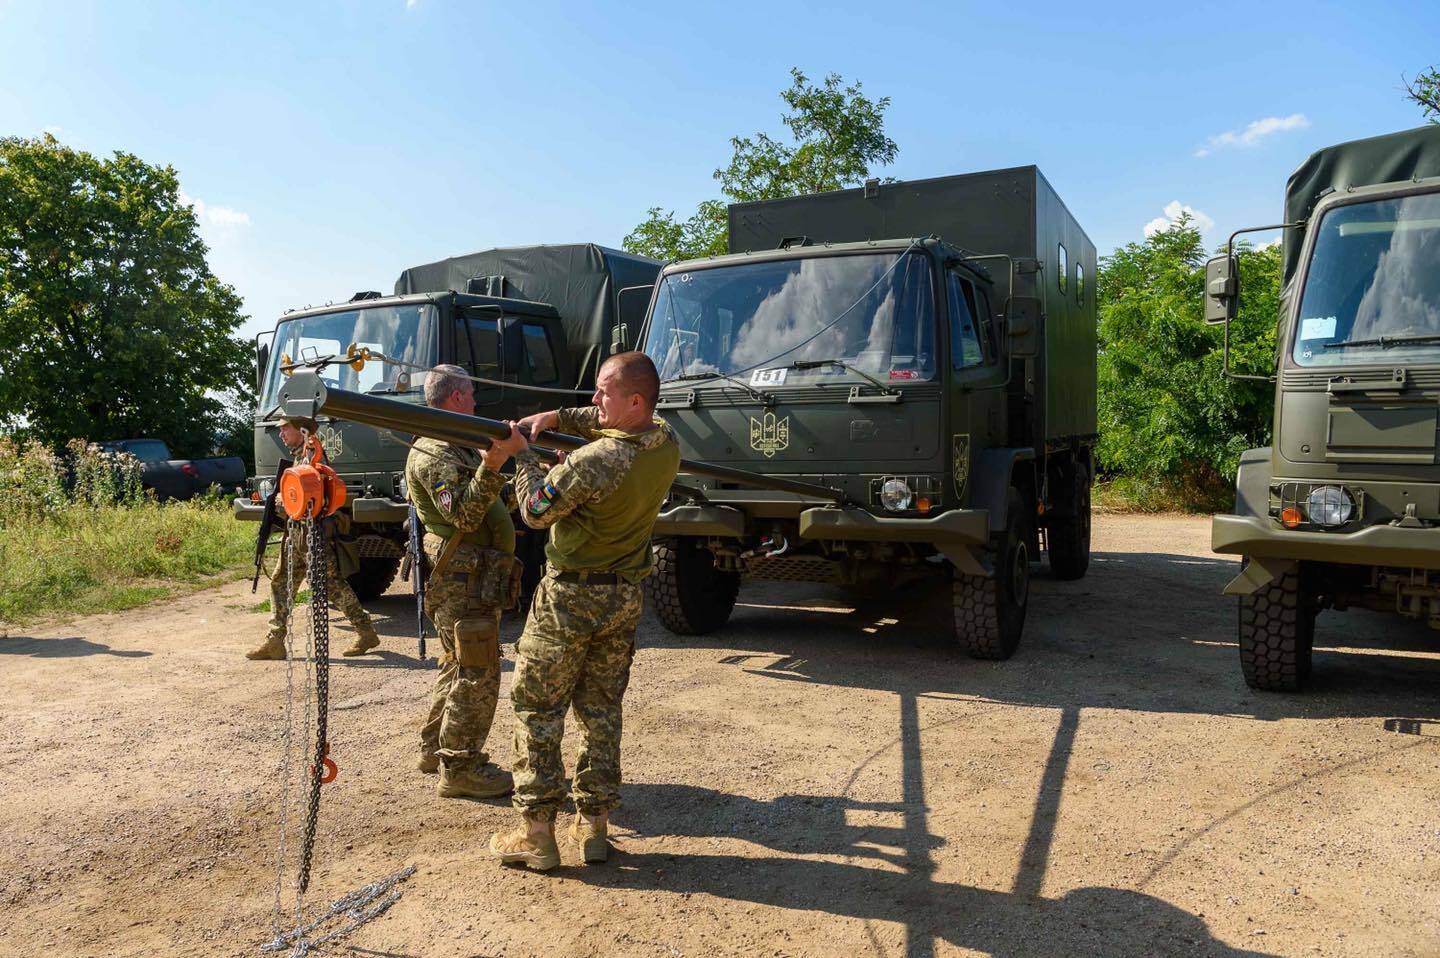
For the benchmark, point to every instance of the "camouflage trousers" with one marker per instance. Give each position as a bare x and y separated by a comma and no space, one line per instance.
575,652
462,703
283,588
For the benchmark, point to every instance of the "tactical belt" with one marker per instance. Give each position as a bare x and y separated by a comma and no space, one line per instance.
590,578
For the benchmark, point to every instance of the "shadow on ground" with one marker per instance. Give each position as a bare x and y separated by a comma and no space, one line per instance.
71,647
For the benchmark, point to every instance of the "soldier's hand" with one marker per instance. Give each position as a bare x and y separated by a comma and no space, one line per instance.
535,424
502,449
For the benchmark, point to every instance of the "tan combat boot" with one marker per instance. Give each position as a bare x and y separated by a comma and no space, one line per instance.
532,844
274,648
589,832
363,643
429,763
465,780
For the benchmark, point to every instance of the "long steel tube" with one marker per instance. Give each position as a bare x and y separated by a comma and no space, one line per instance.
305,394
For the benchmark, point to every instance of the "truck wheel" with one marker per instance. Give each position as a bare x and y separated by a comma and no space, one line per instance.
990,610
1068,532
373,577
1277,632
690,595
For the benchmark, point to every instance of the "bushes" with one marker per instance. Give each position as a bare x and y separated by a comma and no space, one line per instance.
77,534
1172,428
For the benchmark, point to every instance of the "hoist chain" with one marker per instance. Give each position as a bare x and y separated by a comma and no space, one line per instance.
320,627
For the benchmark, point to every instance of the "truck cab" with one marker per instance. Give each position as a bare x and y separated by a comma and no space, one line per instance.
1342,510
943,388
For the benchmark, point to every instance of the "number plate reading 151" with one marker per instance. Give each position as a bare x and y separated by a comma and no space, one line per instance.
768,377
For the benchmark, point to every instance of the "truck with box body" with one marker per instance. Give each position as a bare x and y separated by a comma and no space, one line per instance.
1343,508
536,321
927,348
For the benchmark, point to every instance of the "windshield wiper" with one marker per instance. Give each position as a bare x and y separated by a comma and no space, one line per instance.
1384,342
815,363
761,395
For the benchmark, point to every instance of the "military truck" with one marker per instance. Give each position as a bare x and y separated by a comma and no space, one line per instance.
1342,510
927,348
536,320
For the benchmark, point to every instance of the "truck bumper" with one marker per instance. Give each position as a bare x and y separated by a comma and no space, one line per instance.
968,527
1372,546
363,510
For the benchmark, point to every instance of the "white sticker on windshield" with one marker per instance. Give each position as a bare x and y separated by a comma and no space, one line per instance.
1317,327
769,377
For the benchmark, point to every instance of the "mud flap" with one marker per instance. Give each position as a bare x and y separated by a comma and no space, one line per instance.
1257,573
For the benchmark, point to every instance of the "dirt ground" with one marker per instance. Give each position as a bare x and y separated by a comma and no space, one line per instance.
816,779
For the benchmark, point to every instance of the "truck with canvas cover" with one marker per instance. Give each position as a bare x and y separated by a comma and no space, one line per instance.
1342,510
534,322
927,348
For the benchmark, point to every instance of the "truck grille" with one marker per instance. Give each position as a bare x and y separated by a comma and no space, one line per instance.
793,569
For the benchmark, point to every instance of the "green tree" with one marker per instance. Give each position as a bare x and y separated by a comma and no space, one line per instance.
1168,418
111,323
837,135
1424,90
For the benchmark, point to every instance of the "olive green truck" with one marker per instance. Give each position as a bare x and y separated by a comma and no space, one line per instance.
1342,510
926,349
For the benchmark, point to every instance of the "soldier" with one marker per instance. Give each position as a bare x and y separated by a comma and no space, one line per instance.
470,544
600,506
284,581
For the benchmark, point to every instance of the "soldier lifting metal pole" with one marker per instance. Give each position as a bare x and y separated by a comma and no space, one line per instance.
305,394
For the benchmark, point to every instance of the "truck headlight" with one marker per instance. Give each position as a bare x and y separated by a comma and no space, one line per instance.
896,495
267,486
1329,506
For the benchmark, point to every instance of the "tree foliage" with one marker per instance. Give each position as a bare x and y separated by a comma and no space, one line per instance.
1167,416
111,323
1424,91
837,134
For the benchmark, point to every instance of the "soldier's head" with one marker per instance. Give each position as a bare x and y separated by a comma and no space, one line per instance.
626,391
290,433
447,387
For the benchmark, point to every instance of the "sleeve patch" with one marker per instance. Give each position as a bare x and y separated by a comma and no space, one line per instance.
443,496
541,500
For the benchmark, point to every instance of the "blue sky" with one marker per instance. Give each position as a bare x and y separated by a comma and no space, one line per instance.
329,146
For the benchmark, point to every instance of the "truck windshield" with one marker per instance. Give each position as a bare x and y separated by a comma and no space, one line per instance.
400,332
1372,293
874,312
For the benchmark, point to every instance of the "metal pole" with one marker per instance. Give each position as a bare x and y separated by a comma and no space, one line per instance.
305,394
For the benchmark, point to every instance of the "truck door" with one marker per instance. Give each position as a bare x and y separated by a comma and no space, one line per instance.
976,397
477,349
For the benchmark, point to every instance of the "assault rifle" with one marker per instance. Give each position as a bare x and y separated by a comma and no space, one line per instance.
267,522
417,575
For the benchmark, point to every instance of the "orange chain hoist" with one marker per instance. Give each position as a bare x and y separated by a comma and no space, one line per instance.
311,489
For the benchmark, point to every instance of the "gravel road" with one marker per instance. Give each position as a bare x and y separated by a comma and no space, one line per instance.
822,777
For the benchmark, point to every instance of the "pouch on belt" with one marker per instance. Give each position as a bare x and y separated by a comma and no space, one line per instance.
477,641
496,579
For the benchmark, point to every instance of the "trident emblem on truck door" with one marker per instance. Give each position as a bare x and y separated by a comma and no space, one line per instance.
769,435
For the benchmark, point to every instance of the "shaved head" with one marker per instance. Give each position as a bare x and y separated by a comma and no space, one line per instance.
635,373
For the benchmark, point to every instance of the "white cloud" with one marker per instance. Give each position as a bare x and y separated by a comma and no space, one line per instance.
210,215
410,4
1254,132
1173,211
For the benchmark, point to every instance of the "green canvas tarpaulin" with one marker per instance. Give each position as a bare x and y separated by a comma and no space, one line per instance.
1379,159
582,281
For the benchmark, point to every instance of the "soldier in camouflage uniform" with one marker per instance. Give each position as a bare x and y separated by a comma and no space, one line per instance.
284,581
470,544
600,506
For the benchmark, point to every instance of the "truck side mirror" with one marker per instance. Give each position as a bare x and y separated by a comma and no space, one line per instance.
512,346
1022,325
1222,289
262,359
618,336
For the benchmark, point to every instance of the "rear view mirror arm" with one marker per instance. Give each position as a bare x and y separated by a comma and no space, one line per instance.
1235,266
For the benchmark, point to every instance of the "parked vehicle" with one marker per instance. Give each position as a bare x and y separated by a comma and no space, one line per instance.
536,321
1342,510
928,349
172,478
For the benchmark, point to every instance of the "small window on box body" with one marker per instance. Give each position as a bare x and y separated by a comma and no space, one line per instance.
1062,266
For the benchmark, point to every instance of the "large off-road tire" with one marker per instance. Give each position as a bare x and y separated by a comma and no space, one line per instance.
373,577
1068,530
990,610
690,596
1277,633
